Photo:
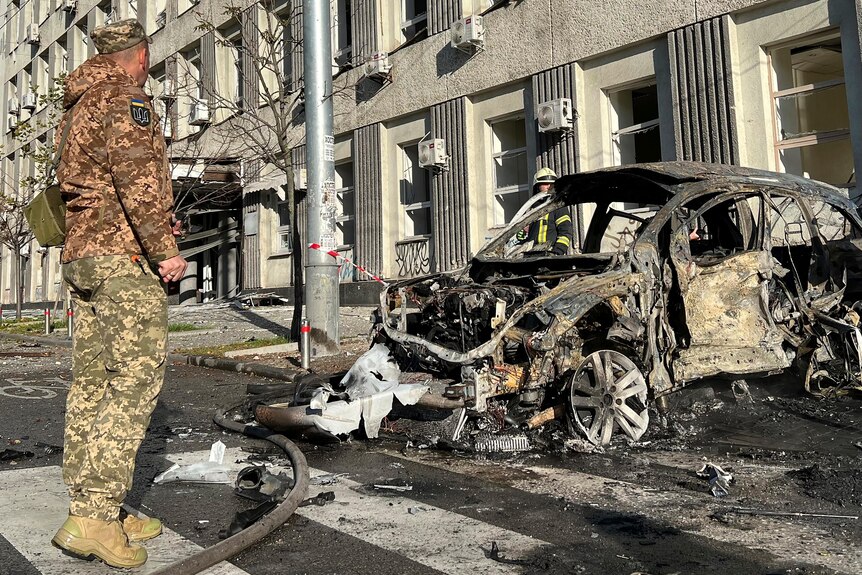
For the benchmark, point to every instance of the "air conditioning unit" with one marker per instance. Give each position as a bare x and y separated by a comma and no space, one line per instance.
200,113
33,33
161,19
11,122
377,66
70,5
432,154
468,34
169,89
13,106
555,115
29,101
300,179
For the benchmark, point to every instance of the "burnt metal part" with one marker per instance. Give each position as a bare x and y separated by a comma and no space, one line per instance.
684,271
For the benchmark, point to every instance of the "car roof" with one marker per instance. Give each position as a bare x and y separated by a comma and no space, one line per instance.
670,176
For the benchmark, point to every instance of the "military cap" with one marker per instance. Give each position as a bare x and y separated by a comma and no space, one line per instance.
118,36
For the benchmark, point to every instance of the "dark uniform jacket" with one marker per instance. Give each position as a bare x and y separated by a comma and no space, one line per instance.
553,230
114,170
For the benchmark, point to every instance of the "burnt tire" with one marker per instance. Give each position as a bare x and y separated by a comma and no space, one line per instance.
608,393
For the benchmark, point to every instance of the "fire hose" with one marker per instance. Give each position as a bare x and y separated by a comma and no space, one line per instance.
236,543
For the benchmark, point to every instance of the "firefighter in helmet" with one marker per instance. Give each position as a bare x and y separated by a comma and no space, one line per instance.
553,231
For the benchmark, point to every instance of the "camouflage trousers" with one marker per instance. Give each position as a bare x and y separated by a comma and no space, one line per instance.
118,366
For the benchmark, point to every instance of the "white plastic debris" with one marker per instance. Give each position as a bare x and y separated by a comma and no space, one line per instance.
372,373
372,385
719,479
211,471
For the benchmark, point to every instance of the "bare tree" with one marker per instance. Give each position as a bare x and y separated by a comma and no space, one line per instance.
38,147
260,127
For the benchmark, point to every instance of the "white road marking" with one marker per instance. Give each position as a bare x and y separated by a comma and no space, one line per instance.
34,505
448,542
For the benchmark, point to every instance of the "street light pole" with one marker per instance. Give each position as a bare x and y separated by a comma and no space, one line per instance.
321,269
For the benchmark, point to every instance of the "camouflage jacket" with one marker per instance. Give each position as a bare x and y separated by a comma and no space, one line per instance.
114,170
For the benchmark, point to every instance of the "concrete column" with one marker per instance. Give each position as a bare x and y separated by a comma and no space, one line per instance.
227,261
189,284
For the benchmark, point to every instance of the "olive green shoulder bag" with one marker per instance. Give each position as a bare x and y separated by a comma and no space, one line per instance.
46,212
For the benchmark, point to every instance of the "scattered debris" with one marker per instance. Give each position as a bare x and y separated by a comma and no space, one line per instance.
741,392
744,511
245,518
320,499
393,487
48,449
12,454
719,479
583,446
494,555
416,510
212,471
501,443
543,417
258,484
327,479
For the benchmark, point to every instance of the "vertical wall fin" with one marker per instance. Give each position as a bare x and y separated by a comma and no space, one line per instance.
250,41
368,192
450,197
702,88
208,67
441,14
364,26
556,150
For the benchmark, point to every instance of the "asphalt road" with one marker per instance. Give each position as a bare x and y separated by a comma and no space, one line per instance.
632,509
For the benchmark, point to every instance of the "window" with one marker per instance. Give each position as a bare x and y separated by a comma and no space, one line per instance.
414,19
415,192
812,136
635,125
342,32
234,78
511,179
345,233
284,235
194,85
161,13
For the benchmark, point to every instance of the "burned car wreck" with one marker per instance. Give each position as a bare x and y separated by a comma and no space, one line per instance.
684,271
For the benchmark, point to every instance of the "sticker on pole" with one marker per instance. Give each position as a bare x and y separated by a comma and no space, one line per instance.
341,258
328,148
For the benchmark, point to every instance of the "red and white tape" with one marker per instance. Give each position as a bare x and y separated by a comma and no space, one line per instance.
341,258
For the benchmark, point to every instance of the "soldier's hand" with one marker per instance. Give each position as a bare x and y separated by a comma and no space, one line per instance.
173,269
176,226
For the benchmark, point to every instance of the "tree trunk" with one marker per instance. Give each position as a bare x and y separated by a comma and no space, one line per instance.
19,282
293,199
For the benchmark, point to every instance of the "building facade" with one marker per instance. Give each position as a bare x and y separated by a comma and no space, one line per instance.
767,84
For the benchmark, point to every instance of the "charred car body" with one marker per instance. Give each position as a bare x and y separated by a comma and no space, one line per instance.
684,271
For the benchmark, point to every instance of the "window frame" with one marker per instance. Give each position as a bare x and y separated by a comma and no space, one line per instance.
804,140
413,207
497,191
340,194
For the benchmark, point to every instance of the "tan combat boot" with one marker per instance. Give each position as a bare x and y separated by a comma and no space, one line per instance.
138,529
105,540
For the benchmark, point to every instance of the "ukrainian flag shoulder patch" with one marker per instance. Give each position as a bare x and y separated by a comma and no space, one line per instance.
140,112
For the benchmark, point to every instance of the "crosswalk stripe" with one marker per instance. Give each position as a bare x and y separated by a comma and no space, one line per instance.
437,538
30,529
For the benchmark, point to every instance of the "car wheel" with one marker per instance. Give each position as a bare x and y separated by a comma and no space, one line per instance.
608,392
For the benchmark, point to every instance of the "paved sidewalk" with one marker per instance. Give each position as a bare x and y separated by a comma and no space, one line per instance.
228,323
225,323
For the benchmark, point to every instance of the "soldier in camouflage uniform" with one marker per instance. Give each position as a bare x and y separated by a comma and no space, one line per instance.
120,247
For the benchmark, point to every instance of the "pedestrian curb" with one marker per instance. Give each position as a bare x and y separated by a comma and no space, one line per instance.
250,368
